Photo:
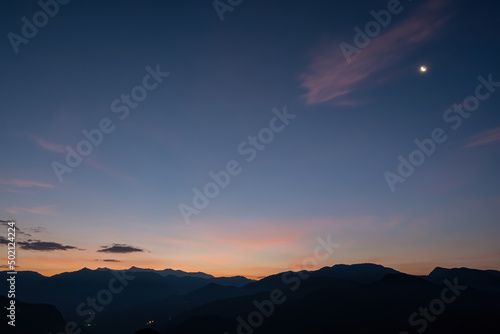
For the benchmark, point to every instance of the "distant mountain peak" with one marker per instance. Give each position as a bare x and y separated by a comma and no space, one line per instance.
441,270
134,268
103,269
359,272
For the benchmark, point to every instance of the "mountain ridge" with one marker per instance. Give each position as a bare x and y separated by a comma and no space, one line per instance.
200,274
177,303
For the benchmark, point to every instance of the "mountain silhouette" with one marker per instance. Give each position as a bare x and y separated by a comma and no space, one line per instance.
362,273
479,279
358,298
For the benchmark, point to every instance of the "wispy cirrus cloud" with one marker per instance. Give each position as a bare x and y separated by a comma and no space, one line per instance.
93,163
60,149
48,145
40,210
255,235
330,77
483,138
38,229
5,266
23,183
119,248
29,230
18,230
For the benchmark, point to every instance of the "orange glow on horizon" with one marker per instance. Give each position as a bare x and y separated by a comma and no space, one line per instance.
50,267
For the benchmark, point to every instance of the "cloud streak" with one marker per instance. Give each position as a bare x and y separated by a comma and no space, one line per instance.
483,138
330,77
48,145
38,229
43,246
25,183
47,210
18,229
60,149
119,248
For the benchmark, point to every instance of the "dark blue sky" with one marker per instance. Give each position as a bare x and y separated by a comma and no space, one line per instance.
321,171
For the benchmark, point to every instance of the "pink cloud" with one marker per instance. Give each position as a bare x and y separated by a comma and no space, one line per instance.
48,145
25,183
483,138
40,210
95,164
56,148
393,222
179,241
298,234
331,77
256,235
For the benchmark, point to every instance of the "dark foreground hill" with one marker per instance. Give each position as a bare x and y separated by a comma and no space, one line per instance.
396,304
32,318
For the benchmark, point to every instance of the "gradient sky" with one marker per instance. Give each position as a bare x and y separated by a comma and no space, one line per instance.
323,174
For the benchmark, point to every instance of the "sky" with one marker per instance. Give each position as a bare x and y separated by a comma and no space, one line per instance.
230,137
